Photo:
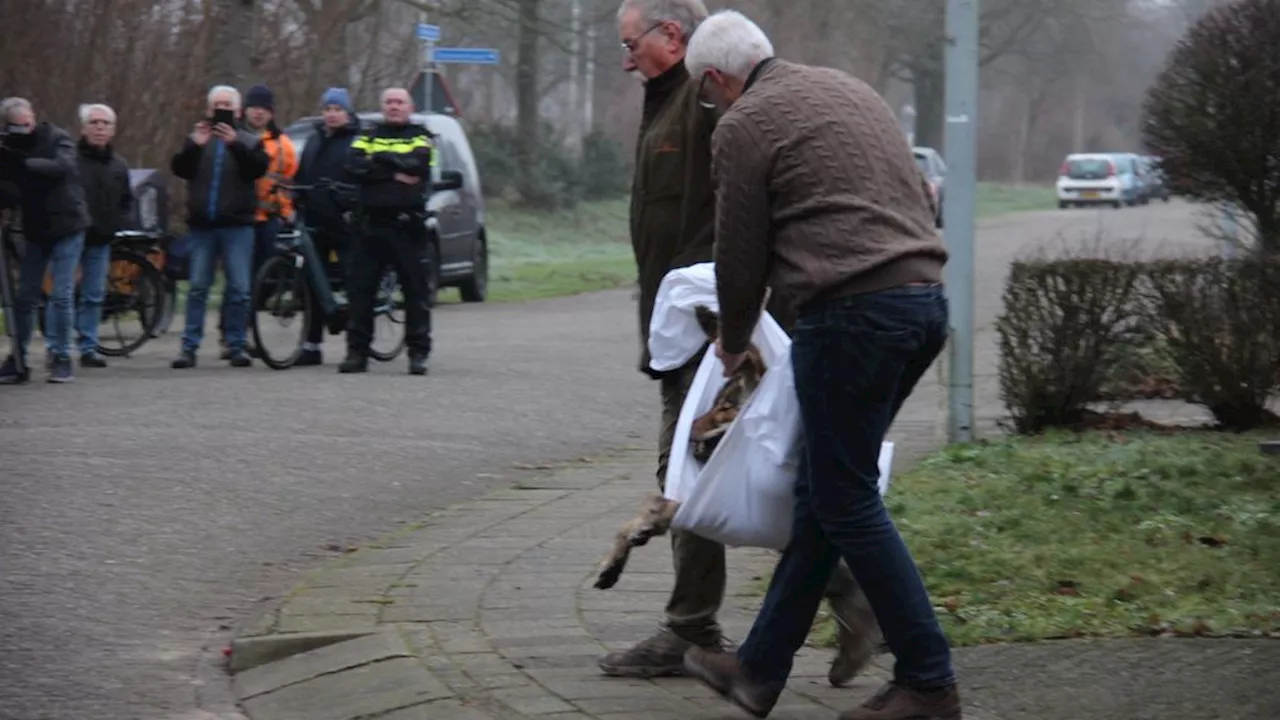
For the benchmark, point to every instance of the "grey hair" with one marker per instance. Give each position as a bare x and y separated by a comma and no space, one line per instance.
217,90
728,42
86,112
10,106
688,14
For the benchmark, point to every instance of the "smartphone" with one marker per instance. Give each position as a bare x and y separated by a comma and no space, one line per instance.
226,117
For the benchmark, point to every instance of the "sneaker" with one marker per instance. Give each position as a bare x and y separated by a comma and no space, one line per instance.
661,655
61,371
417,364
859,638
354,364
308,358
897,702
9,374
91,360
240,359
722,672
186,359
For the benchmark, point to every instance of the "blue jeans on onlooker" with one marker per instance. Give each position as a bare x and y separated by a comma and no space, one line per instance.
95,261
264,239
856,360
60,258
235,246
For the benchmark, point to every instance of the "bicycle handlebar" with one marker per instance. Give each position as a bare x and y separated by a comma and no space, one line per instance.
322,184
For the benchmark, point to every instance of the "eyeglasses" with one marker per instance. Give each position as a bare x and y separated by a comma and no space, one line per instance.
702,99
629,46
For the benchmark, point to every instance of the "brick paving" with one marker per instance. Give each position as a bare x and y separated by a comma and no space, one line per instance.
487,611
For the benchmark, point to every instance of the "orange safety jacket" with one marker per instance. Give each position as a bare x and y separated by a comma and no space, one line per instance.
284,165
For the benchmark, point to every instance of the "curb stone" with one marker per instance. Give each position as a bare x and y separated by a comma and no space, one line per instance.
485,611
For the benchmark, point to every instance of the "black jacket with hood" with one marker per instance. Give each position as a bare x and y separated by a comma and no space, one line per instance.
42,174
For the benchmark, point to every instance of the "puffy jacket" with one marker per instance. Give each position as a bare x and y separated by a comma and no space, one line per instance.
221,194
282,167
43,174
107,190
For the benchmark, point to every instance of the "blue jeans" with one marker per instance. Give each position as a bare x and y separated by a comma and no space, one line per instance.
60,258
95,262
235,246
856,361
264,239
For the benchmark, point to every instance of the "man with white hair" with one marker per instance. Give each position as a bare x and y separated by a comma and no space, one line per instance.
105,178
672,226
817,193
38,161
221,163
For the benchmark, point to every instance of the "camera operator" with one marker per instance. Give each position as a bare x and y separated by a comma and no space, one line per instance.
392,164
39,161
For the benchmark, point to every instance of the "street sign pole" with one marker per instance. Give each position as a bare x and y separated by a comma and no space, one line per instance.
428,34
958,211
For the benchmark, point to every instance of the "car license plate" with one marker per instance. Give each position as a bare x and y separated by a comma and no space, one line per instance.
1089,194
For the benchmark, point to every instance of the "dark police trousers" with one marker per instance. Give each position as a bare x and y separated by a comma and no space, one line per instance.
396,239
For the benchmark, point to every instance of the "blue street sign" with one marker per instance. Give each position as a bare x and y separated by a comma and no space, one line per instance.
430,33
466,56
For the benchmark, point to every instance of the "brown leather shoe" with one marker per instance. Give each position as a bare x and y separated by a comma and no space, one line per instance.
895,702
722,672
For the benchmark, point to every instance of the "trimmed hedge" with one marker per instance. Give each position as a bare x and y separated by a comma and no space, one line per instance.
1076,329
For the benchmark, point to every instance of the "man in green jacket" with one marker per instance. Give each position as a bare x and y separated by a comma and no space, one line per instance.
673,226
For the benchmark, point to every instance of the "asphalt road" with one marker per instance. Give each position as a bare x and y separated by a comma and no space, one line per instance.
144,509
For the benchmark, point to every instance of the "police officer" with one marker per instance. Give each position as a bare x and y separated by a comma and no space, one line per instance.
392,164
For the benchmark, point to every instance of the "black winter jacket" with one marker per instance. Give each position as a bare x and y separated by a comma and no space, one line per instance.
325,157
42,176
381,152
107,190
236,200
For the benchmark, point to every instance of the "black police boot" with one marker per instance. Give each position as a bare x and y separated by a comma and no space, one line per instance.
354,363
417,363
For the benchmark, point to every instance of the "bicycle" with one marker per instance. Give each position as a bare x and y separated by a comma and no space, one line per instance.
284,286
133,286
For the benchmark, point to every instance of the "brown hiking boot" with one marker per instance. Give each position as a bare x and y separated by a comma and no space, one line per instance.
722,672
895,702
859,638
661,655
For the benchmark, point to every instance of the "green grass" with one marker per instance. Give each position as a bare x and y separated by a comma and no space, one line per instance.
541,254
1095,536
995,199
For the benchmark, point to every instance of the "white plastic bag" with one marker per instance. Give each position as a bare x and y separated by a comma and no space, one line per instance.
744,495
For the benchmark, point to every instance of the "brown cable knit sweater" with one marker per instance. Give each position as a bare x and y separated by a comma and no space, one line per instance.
817,195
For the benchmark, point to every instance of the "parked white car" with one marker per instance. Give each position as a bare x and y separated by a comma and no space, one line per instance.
1099,179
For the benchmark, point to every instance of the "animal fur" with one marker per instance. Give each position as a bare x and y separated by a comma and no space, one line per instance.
712,425
653,520
657,512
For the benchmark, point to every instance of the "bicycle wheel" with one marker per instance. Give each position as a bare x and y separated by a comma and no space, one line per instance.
131,305
388,320
281,304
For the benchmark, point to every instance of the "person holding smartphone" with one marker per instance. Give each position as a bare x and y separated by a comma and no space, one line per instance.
221,164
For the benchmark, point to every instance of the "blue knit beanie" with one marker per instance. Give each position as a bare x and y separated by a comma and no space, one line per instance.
336,96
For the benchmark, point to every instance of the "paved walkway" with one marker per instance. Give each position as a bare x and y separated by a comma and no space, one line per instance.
487,611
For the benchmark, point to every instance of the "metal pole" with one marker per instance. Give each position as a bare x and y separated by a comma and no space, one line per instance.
958,215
